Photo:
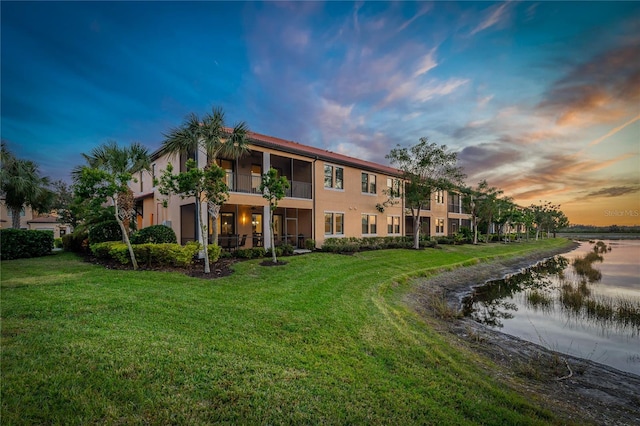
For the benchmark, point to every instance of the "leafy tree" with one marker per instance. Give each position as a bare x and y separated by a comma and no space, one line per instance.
426,167
206,185
22,186
105,180
480,202
274,189
63,203
505,209
209,135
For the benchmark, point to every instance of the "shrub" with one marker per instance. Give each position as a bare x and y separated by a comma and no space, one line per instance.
287,250
310,244
77,242
166,254
22,243
57,242
156,234
259,252
244,253
214,251
278,252
108,230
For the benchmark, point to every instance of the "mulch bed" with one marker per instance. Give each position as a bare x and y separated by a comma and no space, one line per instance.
219,269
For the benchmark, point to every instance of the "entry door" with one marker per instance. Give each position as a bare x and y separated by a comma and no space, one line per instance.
292,231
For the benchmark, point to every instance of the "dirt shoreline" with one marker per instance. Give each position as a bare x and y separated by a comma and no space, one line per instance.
579,390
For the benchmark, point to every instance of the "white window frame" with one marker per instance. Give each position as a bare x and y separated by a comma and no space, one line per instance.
368,215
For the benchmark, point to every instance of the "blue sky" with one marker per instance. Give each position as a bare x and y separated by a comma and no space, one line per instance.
542,99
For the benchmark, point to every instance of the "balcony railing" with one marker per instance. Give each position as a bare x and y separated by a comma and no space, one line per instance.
456,208
250,184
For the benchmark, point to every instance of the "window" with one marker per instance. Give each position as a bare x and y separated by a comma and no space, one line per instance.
439,226
369,224
153,174
334,223
393,187
393,224
333,177
227,166
439,197
256,223
226,224
368,183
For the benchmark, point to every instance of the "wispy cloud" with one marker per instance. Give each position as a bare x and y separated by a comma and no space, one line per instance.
424,9
495,15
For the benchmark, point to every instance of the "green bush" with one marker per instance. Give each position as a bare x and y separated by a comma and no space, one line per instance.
76,242
157,234
214,251
259,252
148,254
22,243
244,253
310,244
268,253
57,242
287,250
105,231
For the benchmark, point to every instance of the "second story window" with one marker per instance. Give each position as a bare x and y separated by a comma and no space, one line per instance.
440,197
333,177
393,187
368,183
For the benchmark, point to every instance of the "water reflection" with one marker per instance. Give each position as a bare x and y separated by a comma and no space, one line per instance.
575,304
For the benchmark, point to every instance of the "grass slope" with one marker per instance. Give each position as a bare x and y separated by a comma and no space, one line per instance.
324,339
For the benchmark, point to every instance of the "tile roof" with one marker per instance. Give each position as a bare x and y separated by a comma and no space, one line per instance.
309,151
292,147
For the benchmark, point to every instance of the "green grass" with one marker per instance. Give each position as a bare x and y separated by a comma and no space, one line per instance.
324,339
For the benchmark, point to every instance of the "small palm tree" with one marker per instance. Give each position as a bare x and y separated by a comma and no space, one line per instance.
209,135
106,177
21,185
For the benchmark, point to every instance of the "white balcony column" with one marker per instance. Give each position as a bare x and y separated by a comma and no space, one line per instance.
266,162
266,214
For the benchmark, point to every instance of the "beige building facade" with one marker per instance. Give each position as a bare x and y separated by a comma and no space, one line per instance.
29,220
331,196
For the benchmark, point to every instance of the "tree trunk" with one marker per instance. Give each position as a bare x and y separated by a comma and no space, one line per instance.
273,237
416,230
203,237
205,244
475,230
15,217
214,211
125,235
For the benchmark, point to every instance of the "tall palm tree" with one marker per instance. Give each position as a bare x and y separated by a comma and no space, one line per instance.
209,135
21,185
109,170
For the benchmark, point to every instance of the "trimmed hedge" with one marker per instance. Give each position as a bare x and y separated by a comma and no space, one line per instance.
148,254
108,230
353,244
23,243
157,234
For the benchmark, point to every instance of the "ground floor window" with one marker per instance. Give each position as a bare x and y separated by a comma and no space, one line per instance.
439,226
393,224
333,223
369,224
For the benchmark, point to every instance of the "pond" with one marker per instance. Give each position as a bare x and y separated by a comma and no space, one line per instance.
585,303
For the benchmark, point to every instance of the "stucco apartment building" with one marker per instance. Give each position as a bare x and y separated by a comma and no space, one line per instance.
331,195
30,220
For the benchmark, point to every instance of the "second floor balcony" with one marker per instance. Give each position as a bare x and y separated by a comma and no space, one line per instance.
250,184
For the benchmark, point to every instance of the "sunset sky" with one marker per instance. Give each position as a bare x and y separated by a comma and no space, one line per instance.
542,99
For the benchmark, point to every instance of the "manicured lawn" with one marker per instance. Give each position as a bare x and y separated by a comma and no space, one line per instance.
324,339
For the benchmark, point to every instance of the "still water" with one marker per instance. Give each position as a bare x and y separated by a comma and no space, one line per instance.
591,312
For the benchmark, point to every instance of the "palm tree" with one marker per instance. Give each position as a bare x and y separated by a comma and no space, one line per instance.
109,170
208,135
21,185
